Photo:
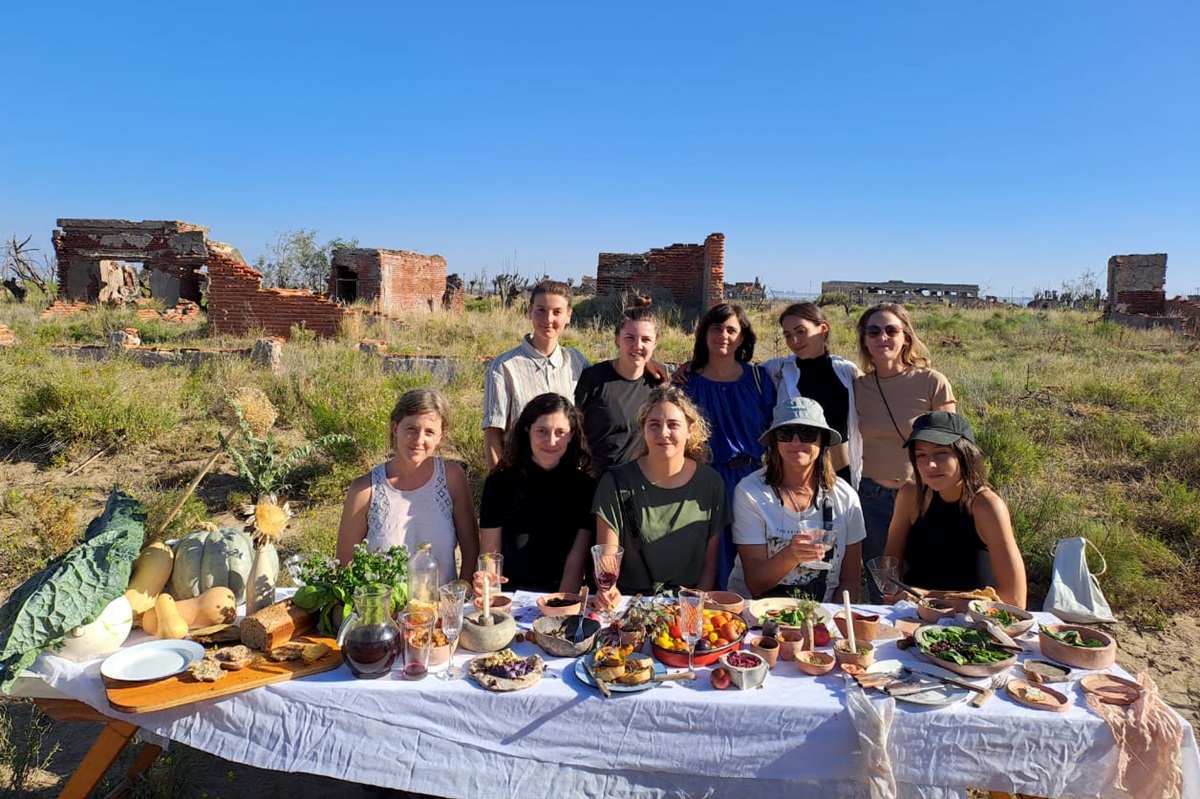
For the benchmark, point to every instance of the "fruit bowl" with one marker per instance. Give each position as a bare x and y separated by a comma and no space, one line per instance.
981,610
745,677
679,660
1079,657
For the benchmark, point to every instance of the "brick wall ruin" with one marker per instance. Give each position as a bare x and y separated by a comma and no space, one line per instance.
1136,284
397,282
691,276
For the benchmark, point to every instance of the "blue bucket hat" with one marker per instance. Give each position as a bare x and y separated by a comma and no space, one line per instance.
800,412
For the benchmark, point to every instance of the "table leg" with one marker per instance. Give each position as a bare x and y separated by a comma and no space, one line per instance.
108,746
144,760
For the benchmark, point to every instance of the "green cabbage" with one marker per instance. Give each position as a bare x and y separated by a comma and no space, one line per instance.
72,590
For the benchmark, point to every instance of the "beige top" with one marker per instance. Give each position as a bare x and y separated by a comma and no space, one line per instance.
909,394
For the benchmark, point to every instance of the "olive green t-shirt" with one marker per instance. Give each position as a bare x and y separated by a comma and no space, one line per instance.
675,525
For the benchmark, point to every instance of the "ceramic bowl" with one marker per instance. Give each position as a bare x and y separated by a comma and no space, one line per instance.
978,611
543,634
791,640
1079,657
745,677
966,670
931,611
767,649
438,655
500,603
725,600
570,606
679,660
864,657
866,628
815,663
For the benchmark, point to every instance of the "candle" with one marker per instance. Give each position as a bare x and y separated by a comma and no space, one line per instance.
849,622
487,599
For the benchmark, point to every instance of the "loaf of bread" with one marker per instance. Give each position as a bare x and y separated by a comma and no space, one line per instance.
275,625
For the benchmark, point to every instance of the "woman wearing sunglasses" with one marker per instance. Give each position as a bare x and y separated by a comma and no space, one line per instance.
896,387
797,526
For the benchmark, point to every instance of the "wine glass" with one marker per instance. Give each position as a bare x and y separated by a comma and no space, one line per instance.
451,597
885,571
818,535
607,561
691,622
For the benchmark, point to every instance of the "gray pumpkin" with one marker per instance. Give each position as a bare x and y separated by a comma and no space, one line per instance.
204,559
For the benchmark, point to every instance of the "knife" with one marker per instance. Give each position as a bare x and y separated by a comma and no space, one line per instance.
939,673
601,684
675,675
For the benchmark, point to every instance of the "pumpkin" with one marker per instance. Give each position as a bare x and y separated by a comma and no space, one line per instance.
151,573
208,558
167,621
215,606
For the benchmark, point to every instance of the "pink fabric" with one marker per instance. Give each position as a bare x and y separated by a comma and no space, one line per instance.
1148,736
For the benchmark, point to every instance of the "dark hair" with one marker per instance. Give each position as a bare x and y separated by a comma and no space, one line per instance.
638,314
550,287
696,446
913,353
416,402
716,315
811,312
518,453
826,476
971,465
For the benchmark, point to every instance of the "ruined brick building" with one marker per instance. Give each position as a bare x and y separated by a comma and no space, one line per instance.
396,282
691,276
1137,295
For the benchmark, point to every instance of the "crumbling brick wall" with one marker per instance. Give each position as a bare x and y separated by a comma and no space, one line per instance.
1187,311
396,281
1136,284
691,275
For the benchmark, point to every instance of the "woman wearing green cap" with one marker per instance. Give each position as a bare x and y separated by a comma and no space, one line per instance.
950,529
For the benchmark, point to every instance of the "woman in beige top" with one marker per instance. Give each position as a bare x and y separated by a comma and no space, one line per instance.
896,387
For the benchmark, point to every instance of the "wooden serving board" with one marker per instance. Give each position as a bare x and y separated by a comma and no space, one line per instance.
184,689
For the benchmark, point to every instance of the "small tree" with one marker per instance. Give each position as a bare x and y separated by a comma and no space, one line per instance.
297,261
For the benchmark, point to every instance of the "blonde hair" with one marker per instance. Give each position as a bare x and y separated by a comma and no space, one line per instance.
696,447
913,353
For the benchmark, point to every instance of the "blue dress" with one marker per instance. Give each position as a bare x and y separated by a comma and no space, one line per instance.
737,412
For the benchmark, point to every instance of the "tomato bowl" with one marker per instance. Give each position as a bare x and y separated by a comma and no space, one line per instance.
679,660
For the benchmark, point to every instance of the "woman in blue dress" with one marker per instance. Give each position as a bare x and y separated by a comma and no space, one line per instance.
737,399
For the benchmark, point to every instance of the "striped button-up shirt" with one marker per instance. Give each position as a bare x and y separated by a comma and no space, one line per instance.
520,374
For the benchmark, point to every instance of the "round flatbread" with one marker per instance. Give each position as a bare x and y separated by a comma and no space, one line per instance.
477,671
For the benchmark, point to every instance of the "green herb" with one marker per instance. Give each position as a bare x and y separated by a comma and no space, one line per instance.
1072,638
962,646
1005,618
329,590
74,589
795,617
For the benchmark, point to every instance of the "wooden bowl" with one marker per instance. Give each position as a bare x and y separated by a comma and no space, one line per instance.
931,611
978,610
815,664
968,670
864,657
1078,657
679,660
565,609
543,634
725,600
866,628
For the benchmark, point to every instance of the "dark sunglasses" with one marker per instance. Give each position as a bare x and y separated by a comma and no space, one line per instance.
875,331
807,435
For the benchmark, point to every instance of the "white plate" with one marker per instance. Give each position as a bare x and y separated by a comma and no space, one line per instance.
152,660
757,608
617,688
938,694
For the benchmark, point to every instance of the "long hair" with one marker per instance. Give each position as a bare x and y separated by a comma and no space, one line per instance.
715,315
971,466
774,462
913,353
518,452
419,401
811,312
696,446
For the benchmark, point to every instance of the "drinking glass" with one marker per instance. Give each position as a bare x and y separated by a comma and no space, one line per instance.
292,565
606,558
417,626
491,563
885,571
691,622
818,535
450,610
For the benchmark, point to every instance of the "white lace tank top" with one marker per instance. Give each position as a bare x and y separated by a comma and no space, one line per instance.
413,517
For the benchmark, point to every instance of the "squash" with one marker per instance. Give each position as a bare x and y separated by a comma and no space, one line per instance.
167,621
215,606
205,559
104,635
151,572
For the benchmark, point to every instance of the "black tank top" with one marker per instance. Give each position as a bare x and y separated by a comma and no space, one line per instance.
944,552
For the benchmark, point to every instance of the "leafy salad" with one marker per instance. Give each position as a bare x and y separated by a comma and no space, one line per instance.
962,646
1072,638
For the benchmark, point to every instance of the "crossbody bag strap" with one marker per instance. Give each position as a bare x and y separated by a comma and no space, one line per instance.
883,397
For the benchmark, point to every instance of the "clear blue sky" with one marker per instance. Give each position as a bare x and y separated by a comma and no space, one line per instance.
1014,145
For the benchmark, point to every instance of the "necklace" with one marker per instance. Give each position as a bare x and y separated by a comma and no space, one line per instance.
792,495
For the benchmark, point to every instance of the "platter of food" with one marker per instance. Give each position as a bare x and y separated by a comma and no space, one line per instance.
723,632
964,651
1011,619
152,660
503,671
1038,697
776,607
1076,646
623,674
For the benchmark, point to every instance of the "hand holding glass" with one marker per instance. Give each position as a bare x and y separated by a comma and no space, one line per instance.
810,547
606,558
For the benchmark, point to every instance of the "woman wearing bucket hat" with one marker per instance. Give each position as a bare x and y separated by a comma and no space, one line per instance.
796,524
950,529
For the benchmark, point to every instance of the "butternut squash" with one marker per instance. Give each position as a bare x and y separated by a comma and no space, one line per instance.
215,606
151,571
167,621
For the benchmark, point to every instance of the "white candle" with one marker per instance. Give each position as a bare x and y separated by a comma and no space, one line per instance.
849,621
487,599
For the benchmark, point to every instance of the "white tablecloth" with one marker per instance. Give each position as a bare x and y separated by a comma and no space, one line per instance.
793,737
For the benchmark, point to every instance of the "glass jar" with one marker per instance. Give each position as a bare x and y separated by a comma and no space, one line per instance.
424,578
369,637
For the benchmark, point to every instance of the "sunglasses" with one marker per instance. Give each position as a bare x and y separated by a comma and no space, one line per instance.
807,435
875,331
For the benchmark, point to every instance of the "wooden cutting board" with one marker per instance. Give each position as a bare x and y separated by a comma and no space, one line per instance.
184,689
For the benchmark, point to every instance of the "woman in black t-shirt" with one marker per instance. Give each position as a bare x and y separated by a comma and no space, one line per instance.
536,506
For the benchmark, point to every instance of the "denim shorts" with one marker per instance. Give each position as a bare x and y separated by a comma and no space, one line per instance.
877,505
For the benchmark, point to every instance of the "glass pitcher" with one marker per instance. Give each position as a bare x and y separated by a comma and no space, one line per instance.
369,637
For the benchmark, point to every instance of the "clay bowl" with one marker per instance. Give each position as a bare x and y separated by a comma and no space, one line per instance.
1079,657
543,634
726,601
977,611
438,655
679,660
967,670
746,677
791,640
568,608
767,649
815,664
864,657
866,628
500,603
931,611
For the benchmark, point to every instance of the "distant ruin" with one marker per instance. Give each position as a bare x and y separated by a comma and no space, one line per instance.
395,282
691,276
861,293
1137,296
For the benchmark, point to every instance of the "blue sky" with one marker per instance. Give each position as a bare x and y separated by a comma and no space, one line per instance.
1013,145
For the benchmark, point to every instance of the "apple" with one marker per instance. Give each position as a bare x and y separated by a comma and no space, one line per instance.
720,679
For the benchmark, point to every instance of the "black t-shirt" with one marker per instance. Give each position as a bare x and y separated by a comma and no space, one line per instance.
820,382
539,515
610,404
